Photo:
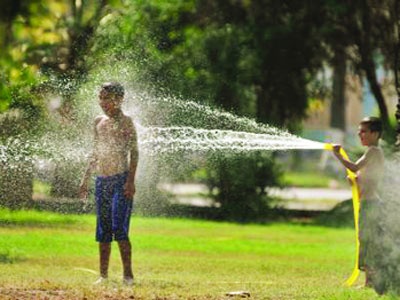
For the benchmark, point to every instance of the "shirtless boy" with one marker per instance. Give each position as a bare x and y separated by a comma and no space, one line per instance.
369,169
114,161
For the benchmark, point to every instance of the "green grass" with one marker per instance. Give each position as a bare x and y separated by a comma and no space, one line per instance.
51,256
310,179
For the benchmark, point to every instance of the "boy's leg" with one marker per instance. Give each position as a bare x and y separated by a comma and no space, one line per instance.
121,219
103,196
105,250
125,249
121,227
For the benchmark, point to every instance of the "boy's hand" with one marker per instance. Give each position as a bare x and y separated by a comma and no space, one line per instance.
129,190
351,182
336,149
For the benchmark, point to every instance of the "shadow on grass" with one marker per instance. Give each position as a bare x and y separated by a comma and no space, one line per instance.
68,211
340,216
216,214
6,257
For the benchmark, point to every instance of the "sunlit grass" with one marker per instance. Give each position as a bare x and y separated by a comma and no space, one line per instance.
311,179
39,218
50,254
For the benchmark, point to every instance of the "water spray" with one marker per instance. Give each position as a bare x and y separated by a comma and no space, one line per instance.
172,139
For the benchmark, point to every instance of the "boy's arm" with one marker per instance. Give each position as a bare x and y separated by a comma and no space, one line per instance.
134,158
354,167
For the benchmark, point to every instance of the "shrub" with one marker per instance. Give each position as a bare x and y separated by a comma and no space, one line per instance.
238,183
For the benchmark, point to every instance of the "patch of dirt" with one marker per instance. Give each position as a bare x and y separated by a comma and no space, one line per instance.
42,294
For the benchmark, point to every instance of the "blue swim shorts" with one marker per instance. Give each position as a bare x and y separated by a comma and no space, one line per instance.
112,208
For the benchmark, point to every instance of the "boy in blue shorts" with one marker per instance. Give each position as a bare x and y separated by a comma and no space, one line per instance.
114,161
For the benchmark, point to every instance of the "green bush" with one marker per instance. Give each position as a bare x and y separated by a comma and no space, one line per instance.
238,183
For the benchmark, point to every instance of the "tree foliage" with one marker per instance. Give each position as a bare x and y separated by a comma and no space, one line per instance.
361,32
245,58
46,44
255,58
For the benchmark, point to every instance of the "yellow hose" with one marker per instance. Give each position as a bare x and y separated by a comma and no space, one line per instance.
356,209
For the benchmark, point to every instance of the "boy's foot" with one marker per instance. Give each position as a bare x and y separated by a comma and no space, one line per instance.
128,281
100,281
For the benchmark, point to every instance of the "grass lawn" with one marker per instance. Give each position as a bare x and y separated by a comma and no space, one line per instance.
312,179
50,256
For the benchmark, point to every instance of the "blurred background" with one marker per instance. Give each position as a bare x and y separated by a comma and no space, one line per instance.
313,68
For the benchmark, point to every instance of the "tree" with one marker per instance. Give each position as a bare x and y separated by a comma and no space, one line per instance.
364,39
44,47
338,119
242,57
366,27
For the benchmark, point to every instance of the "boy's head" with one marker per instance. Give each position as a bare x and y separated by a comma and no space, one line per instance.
370,131
111,96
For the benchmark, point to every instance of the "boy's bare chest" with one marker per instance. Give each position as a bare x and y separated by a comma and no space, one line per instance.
109,131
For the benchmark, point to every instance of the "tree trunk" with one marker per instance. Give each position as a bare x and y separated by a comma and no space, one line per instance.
368,65
338,117
369,68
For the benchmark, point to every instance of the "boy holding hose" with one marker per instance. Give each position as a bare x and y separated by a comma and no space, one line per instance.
369,170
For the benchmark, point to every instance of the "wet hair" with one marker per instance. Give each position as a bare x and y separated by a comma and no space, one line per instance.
374,124
113,88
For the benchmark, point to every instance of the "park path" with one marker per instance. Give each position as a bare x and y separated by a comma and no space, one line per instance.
318,199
